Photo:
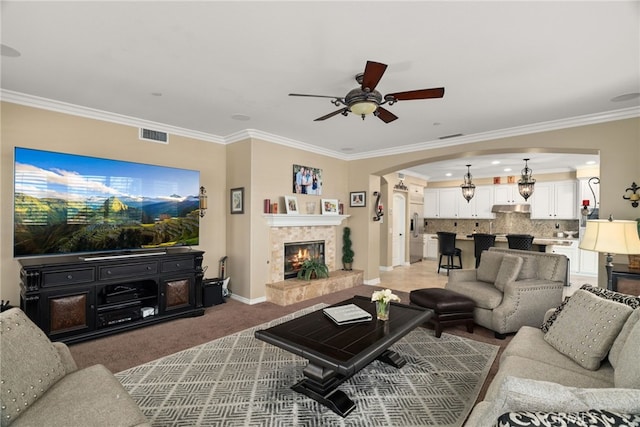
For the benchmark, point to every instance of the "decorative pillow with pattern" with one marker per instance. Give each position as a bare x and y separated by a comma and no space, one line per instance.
585,329
631,301
591,418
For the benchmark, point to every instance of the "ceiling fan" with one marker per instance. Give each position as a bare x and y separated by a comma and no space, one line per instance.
366,99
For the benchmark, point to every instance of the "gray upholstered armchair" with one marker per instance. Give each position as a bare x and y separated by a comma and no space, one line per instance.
512,288
40,384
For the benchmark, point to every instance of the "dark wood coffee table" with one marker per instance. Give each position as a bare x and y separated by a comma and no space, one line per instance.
336,353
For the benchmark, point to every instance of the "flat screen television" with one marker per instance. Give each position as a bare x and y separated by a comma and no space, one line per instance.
68,203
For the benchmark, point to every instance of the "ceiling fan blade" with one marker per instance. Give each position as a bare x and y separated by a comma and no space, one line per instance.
418,94
335,113
372,74
314,96
385,115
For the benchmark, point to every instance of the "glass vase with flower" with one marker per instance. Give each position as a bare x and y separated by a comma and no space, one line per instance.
383,302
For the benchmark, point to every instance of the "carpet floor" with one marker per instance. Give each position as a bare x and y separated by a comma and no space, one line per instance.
238,380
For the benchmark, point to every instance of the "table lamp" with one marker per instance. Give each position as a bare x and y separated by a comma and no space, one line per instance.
611,237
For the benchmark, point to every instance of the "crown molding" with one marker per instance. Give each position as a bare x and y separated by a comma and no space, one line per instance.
91,113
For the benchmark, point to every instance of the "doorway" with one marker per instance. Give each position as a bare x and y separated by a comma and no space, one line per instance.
398,230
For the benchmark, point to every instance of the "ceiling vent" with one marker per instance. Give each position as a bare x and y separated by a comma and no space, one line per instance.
154,136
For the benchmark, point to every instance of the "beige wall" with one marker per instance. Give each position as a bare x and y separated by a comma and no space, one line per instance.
41,129
264,169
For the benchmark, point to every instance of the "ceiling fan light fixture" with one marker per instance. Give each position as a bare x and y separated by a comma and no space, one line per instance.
526,181
363,108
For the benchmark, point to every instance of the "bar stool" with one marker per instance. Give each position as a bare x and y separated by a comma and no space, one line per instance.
482,242
524,242
447,247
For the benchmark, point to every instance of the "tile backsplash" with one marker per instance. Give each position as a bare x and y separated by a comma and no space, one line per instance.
517,223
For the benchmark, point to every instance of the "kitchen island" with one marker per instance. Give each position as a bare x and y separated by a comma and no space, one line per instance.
465,244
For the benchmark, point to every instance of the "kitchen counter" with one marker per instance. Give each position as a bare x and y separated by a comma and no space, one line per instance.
465,244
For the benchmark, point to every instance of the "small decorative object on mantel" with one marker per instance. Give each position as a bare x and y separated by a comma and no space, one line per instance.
329,207
383,302
291,204
634,196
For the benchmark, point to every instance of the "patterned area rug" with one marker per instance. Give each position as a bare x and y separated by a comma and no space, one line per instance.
240,381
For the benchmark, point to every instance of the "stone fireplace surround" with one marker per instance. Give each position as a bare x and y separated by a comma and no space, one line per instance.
288,229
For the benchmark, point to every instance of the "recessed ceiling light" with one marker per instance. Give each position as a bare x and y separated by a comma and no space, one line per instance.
591,162
508,169
8,51
448,174
495,162
241,117
626,97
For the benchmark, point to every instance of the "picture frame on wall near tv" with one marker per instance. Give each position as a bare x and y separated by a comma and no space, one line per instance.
69,203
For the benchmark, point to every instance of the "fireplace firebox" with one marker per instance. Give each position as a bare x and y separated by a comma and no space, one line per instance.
295,253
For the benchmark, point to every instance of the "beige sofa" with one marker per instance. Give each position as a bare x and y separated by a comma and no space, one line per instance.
512,288
587,360
40,384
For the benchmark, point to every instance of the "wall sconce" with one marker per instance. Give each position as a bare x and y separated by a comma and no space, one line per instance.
377,207
468,188
526,181
634,196
202,198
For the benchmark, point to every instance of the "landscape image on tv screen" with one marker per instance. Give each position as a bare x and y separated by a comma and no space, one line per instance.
66,203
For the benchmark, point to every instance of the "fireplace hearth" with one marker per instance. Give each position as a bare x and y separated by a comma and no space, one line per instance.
295,253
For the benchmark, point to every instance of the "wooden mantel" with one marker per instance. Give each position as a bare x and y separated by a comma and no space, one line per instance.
284,220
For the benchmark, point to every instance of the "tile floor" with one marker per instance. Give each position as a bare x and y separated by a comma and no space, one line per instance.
424,274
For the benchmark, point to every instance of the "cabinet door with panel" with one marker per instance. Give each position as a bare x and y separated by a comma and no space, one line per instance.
177,294
431,208
67,312
507,194
554,200
448,202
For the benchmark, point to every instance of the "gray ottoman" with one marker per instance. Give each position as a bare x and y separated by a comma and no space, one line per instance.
450,308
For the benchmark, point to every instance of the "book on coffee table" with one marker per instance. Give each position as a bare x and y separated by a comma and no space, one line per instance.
346,314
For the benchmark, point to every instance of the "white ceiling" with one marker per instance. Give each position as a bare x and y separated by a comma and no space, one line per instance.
505,65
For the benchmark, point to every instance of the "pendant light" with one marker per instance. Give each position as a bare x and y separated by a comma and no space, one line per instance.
526,182
468,189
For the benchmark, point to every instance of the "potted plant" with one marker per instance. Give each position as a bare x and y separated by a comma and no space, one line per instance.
313,269
347,252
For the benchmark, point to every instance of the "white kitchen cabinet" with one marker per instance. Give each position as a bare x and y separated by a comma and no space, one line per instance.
431,206
554,200
588,262
507,194
448,202
571,252
430,246
416,194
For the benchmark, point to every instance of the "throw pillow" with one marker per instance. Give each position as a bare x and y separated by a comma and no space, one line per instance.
621,339
508,272
633,302
591,418
30,364
586,327
523,394
489,266
627,370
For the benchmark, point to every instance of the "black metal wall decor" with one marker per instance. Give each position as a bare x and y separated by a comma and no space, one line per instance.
633,196
377,207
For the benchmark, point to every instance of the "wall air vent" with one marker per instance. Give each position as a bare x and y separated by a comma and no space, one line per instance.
154,136
455,135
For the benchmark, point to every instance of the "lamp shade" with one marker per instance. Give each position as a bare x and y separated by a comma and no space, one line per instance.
363,108
614,237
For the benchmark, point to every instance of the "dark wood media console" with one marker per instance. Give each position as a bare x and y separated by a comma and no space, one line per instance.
74,299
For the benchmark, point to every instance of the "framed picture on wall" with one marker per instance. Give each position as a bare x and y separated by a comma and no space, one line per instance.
291,204
307,180
357,199
237,200
329,207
